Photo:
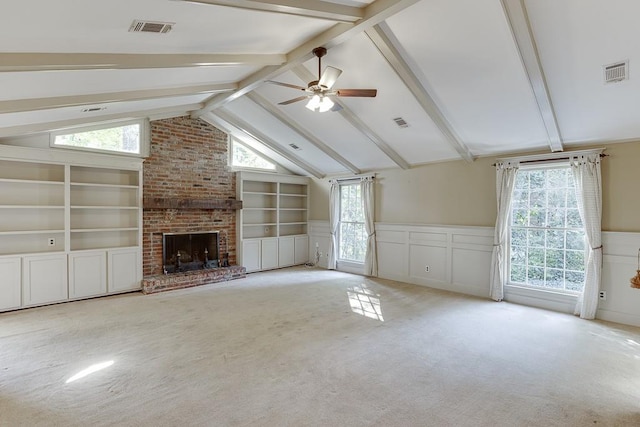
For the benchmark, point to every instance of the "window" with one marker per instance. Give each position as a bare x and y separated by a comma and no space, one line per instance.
547,249
243,157
352,241
124,138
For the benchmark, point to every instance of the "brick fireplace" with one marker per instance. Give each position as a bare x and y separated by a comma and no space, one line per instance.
188,187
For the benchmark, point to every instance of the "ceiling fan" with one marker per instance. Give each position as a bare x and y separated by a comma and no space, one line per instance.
319,92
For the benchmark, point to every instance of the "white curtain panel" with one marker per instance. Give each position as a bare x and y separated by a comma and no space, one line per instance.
334,220
370,258
586,172
505,181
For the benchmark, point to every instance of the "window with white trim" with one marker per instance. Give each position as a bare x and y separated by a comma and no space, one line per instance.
243,157
547,238
352,241
121,138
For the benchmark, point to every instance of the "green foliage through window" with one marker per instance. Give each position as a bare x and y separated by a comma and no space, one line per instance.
353,236
123,139
243,157
547,235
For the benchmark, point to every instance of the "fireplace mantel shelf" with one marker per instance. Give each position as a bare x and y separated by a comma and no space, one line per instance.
185,203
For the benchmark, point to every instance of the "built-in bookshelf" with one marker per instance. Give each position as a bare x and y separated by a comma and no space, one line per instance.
32,207
104,208
71,225
274,207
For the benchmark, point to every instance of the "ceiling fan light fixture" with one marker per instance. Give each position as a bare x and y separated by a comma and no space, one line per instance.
325,105
314,103
319,103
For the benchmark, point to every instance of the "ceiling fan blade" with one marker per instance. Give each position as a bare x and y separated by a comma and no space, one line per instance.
367,93
287,85
291,101
336,107
329,77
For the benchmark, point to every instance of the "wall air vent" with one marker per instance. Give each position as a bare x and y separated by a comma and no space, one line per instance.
295,147
150,27
401,122
617,72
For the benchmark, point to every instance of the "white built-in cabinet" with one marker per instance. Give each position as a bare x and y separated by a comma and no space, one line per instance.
272,224
71,225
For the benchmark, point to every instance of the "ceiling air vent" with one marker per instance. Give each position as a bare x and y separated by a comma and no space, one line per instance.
401,122
617,72
150,27
295,147
93,109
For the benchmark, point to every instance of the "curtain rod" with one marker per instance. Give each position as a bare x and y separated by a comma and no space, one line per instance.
551,159
354,178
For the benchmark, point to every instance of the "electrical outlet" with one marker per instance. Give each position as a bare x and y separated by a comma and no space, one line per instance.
51,241
602,295
426,268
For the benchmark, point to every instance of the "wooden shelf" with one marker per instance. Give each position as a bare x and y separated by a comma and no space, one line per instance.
25,232
31,207
88,184
92,230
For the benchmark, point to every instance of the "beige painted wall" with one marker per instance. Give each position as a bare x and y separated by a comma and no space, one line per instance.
460,193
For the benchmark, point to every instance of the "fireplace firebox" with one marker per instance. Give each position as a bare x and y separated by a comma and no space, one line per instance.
190,251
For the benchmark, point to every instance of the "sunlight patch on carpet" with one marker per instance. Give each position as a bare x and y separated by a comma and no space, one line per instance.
90,370
365,302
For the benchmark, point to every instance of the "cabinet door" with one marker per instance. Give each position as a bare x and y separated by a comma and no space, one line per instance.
44,279
301,249
285,251
251,255
125,270
269,249
10,283
87,274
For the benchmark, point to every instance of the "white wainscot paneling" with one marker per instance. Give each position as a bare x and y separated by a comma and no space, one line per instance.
458,258
471,268
392,260
428,263
620,262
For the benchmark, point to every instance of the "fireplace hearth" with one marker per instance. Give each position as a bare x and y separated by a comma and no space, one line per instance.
191,251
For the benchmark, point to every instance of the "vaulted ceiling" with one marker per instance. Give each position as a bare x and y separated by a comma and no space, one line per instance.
470,77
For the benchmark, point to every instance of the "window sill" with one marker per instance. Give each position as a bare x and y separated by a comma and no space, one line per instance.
541,298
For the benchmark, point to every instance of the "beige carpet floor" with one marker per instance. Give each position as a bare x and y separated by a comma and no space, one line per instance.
307,347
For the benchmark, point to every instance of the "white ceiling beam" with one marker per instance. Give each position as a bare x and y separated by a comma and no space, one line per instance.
306,8
254,133
374,13
39,61
33,104
355,121
383,38
174,111
295,127
518,20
